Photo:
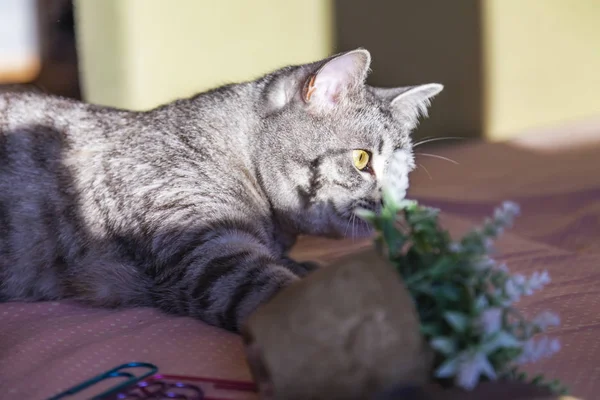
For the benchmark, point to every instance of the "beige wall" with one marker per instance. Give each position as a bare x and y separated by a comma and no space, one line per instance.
421,41
140,53
542,63
509,66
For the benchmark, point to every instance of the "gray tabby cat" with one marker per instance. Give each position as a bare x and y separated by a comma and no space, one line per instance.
192,206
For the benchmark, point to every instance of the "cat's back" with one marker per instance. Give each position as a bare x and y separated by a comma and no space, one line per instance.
18,109
47,141
26,111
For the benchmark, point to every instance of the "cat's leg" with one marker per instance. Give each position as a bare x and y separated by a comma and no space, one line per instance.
101,278
222,280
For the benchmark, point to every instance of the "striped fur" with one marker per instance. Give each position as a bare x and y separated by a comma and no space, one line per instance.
190,207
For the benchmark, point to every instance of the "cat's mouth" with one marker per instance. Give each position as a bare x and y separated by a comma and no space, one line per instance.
355,227
351,225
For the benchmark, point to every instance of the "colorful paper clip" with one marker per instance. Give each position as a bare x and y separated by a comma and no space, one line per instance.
117,372
150,385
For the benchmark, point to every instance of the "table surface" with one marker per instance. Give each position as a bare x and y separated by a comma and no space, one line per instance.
48,347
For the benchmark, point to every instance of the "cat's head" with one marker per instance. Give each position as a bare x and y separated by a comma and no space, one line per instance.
330,143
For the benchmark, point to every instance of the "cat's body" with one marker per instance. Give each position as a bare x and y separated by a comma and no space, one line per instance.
191,207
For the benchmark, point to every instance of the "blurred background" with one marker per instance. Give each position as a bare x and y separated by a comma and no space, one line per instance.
510,67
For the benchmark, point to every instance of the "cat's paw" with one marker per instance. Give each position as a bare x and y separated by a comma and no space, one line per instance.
310,266
301,268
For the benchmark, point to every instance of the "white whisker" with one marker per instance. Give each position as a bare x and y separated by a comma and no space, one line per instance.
348,225
423,139
440,157
367,227
427,140
427,171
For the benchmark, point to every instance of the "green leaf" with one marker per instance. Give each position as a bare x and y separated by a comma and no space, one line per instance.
390,204
481,303
460,322
442,266
367,215
499,340
448,369
537,379
444,345
430,330
449,292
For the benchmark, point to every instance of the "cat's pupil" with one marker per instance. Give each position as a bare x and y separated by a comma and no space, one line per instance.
361,159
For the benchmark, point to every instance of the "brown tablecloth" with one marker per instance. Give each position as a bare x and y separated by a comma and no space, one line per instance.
48,347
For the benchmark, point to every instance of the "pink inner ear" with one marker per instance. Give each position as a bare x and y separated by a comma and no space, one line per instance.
338,76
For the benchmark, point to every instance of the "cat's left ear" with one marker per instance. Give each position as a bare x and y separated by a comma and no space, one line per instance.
335,79
409,103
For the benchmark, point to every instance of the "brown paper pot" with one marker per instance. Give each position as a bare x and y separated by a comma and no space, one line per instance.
345,332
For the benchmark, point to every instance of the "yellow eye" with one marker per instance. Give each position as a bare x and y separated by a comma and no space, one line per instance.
361,159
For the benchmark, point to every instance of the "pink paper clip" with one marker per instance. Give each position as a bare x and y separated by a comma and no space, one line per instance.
189,388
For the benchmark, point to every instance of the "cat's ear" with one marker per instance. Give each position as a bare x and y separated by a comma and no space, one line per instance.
337,77
319,85
411,102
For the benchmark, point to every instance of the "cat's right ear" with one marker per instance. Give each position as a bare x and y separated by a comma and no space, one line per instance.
323,85
409,103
